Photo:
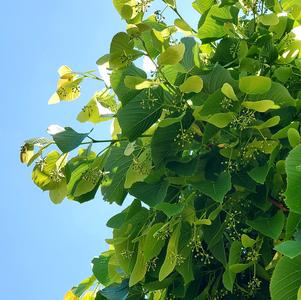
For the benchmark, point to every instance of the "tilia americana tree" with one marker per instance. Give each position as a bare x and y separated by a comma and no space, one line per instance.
206,144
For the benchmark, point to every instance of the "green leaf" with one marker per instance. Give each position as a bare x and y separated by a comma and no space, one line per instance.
100,268
269,226
277,93
117,78
193,84
139,169
172,55
99,109
293,189
282,133
58,195
117,165
213,25
215,80
122,51
286,279
83,286
247,242
228,91
238,268
183,26
269,123
169,121
283,73
216,189
293,137
137,83
67,139
170,261
255,84
91,176
170,209
220,120
202,5
140,113
260,106
164,142
150,193
116,291
290,249
42,175
292,223
259,173
153,244
269,19
140,267
234,258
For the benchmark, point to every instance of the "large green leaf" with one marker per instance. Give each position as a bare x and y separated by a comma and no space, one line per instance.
140,113
215,80
164,142
140,267
292,193
286,279
172,55
117,165
269,226
290,249
67,139
255,84
116,291
213,25
153,244
216,189
234,257
170,261
150,193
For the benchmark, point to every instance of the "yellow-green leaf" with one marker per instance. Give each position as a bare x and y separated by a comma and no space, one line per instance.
193,84
172,55
255,84
260,106
228,91
269,123
170,261
246,241
137,83
293,137
269,19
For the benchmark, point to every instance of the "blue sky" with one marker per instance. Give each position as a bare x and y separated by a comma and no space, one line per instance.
45,248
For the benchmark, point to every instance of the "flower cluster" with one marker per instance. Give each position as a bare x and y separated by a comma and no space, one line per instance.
184,138
150,101
142,6
232,221
243,120
56,175
92,175
127,254
176,258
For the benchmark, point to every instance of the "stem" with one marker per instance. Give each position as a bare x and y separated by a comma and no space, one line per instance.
279,205
111,141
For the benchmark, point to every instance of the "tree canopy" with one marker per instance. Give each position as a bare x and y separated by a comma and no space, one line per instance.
206,143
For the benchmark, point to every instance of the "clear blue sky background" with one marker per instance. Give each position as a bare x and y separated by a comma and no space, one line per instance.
46,249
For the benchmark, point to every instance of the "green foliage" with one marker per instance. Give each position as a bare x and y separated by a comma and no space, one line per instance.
205,144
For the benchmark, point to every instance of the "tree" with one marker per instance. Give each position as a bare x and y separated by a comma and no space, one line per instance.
206,143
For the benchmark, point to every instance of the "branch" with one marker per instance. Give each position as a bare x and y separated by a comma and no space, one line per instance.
279,205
